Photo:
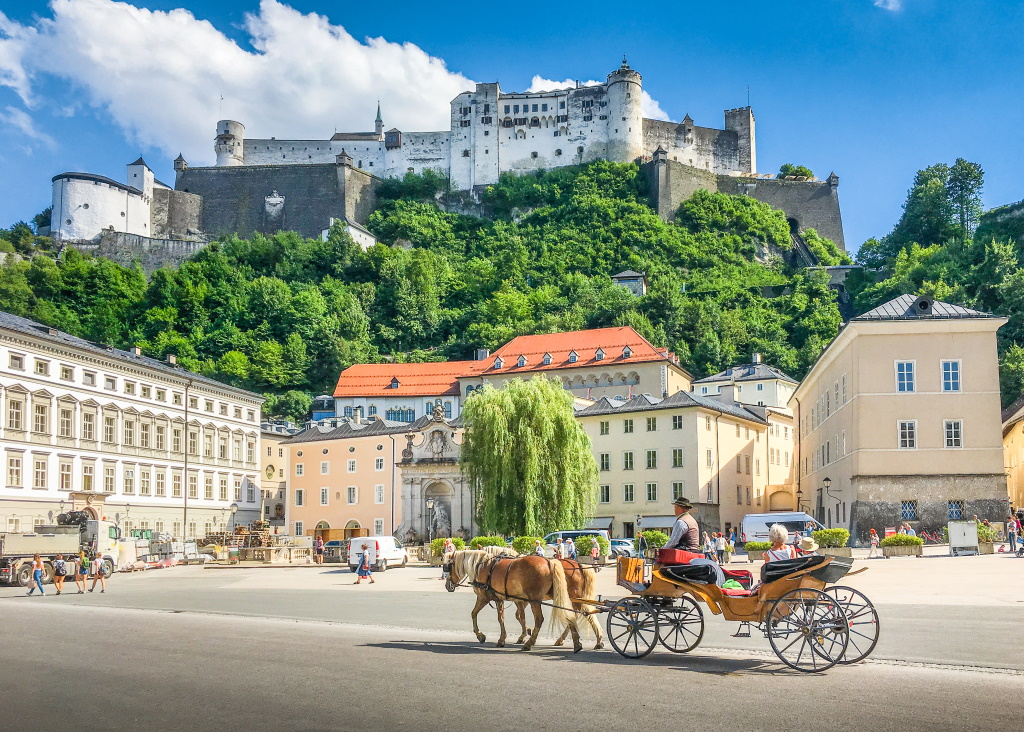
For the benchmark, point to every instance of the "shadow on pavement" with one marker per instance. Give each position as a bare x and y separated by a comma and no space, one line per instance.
694,663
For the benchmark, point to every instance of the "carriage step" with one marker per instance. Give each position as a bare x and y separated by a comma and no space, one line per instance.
743,631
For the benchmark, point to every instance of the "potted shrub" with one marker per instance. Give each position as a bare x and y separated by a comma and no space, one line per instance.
585,543
481,541
525,544
655,541
901,545
832,542
986,539
755,549
437,546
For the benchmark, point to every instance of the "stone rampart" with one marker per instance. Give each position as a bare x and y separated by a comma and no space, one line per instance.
150,253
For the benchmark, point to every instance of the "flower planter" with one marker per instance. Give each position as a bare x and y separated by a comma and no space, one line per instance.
755,557
902,551
837,551
986,547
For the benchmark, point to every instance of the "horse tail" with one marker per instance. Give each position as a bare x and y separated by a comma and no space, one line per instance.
561,612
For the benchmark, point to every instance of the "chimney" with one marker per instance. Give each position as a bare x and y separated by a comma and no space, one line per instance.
172,359
756,358
357,415
726,393
483,354
136,350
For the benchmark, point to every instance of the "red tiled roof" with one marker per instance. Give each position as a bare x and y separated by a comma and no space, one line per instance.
414,379
585,343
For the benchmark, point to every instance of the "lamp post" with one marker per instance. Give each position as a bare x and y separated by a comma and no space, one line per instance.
799,499
127,526
826,483
430,525
234,510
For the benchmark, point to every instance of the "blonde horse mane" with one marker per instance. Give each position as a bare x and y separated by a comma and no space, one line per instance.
499,551
466,564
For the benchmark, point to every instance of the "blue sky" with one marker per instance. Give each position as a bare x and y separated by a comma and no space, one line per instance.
872,89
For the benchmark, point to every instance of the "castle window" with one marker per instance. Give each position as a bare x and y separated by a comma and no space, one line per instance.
507,122
516,109
487,109
485,120
589,117
579,150
587,103
464,123
486,133
506,109
603,116
561,105
543,108
360,164
627,352
122,216
533,154
534,122
85,205
465,153
557,152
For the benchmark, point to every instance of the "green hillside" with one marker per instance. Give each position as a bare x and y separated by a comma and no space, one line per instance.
283,315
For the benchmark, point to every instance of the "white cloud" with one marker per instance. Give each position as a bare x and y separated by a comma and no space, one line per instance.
21,121
889,4
160,75
648,105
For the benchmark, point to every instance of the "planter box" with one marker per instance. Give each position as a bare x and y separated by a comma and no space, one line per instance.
902,551
986,547
755,557
839,551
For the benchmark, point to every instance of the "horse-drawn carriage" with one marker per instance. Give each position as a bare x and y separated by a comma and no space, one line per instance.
810,625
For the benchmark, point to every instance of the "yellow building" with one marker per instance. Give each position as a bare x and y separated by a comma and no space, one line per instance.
1013,452
728,459
899,420
274,473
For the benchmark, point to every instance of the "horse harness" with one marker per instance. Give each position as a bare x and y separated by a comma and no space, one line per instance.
495,595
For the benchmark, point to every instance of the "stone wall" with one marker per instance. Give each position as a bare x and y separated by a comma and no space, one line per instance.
879,497
151,254
176,214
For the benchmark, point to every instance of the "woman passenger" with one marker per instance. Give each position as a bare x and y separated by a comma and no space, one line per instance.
778,536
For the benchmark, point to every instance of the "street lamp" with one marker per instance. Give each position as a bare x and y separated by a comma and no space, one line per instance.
430,526
826,483
234,510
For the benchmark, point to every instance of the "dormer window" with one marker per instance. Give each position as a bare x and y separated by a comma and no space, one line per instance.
627,352
599,355
573,357
521,361
394,383
498,363
547,359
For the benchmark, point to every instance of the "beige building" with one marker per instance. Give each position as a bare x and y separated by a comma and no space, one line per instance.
728,459
1013,452
755,383
899,420
274,473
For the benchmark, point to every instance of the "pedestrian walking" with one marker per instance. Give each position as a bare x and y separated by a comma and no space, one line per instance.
720,547
364,565
447,553
1012,531
873,539
60,571
595,552
709,547
571,548
37,575
98,575
319,550
81,571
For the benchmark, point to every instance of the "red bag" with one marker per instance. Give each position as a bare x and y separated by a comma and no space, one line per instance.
676,556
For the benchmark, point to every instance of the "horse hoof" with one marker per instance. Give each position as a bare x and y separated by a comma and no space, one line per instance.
559,643
577,649
481,637
599,646
527,647
499,644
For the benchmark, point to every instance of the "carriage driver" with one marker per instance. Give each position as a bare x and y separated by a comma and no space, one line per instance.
685,532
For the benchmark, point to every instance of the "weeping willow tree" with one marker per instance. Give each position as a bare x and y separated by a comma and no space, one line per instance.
528,459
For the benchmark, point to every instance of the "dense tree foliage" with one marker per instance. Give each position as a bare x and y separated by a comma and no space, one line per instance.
550,482
790,169
283,315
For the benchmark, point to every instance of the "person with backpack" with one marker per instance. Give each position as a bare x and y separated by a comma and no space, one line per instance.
37,575
60,571
81,571
96,570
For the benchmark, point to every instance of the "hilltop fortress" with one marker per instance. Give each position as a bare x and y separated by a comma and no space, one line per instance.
261,185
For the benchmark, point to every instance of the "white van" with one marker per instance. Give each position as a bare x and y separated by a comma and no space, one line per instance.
755,525
385,551
554,536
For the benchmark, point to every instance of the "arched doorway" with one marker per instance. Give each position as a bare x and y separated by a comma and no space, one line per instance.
323,525
353,529
437,510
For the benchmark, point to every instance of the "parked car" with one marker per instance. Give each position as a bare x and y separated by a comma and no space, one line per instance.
622,548
755,525
385,551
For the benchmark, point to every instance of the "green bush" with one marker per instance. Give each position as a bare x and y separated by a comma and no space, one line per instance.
655,539
437,545
481,541
831,537
525,544
902,540
753,547
584,544
986,534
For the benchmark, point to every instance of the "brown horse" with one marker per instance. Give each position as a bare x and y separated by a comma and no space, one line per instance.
528,580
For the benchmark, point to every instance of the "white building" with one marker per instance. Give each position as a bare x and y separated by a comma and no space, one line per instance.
85,204
754,383
94,428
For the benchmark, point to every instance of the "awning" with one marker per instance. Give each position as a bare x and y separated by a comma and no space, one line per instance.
655,522
599,522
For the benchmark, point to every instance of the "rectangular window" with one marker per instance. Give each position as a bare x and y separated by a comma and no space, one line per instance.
324,496
16,415
208,489
108,479
677,490
66,423
193,486
739,463
378,464
951,376
604,494
300,469
956,510
378,524
325,467
42,367
161,395
652,459
908,435
739,495
953,429
627,461
129,387
109,382
161,437
193,443
222,448
757,466
298,528
88,426
87,476
351,466
627,425
161,484
144,431
737,430
353,494
129,433
652,424
238,490
222,487
677,421
300,497
748,495
208,446
176,485
605,460
710,462
41,418
144,483
604,428
746,463
652,492
843,388
707,423
109,427
236,450
908,510
627,493
14,472
378,494
677,457
904,376
17,362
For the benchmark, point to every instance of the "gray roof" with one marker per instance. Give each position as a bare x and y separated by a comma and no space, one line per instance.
373,427
628,273
96,179
903,308
140,161
681,399
748,372
1013,414
66,340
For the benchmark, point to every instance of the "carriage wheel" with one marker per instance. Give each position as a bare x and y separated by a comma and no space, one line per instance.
808,630
680,629
633,627
863,620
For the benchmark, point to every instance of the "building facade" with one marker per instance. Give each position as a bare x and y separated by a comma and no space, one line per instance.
755,383
274,473
899,420
1013,452
119,435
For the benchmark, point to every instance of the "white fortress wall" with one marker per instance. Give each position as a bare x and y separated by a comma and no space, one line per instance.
84,205
288,152
418,151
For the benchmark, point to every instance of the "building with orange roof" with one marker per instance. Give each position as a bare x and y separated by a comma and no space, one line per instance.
399,392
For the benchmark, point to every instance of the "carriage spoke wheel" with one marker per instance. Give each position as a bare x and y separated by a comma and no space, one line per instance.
863,620
808,630
633,627
680,629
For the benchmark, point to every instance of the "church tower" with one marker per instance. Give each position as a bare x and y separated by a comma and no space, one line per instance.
378,125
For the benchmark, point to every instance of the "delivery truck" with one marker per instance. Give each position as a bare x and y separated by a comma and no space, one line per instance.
74,532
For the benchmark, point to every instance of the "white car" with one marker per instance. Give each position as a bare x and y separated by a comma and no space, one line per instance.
385,551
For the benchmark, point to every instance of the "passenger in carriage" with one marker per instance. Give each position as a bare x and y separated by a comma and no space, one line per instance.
778,536
685,531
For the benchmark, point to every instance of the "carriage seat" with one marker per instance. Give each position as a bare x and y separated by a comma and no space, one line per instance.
699,574
772,571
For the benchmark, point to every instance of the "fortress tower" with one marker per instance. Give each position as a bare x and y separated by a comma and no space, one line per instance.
625,118
741,121
378,124
229,142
